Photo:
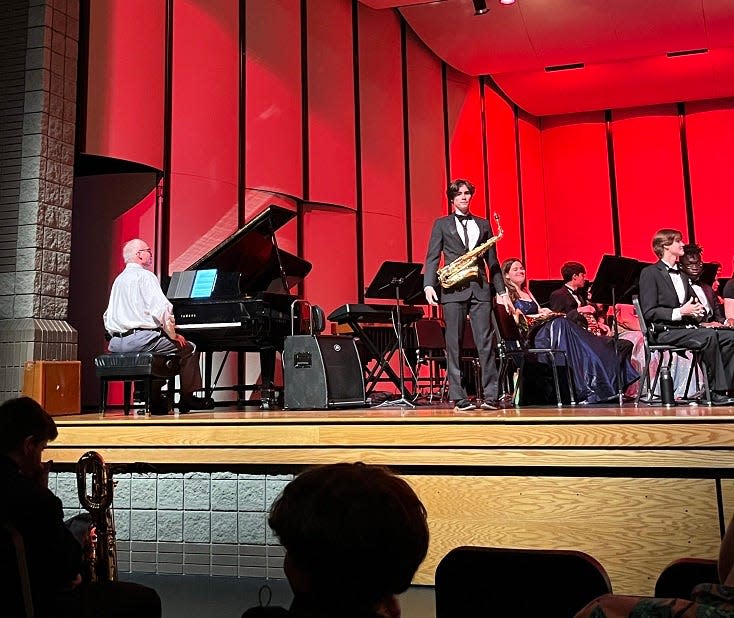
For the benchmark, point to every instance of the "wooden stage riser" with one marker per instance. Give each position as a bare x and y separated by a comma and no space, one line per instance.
635,493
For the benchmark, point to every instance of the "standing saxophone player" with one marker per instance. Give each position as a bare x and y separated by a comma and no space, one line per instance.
453,236
53,555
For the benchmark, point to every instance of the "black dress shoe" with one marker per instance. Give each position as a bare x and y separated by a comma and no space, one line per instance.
192,402
717,399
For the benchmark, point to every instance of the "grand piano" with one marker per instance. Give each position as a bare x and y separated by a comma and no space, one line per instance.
237,299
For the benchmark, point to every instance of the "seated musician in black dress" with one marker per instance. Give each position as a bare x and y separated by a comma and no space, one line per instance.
675,314
596,371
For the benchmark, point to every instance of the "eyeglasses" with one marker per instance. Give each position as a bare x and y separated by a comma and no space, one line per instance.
142,250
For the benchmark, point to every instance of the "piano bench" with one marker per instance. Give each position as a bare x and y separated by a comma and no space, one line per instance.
129,367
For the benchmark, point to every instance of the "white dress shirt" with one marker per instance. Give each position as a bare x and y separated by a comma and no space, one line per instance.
472,230
136,301
679,288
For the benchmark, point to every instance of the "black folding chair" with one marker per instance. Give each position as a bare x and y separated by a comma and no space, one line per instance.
514,346
666,352
680,577
488,581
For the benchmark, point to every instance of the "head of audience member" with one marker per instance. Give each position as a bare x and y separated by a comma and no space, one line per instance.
25,430
513,272
667,238
691,261
460,192
573,275
354,535
137,251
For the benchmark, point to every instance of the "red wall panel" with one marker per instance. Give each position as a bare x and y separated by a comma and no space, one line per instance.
502,169
125,81
205,126
273,157
465,134
330,244
710,137
331,135
381,137
426,143
533,200
577,195
649,169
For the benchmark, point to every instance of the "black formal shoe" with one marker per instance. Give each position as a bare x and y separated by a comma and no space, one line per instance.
489,405
192,402
717,399
464,405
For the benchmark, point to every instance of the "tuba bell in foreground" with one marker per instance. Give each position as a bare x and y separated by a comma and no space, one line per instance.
100,559
464,268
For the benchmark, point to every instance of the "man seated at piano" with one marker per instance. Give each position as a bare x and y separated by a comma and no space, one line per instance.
139,318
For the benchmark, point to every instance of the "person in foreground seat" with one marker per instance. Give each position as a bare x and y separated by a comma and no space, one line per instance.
53,555
675,314
709,600
139,318
354,536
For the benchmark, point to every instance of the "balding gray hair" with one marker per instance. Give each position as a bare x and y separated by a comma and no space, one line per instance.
130,248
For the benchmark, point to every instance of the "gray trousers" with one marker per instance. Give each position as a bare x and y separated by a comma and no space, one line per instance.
158,343
480,313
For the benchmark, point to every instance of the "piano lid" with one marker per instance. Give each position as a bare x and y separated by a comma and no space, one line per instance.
251,252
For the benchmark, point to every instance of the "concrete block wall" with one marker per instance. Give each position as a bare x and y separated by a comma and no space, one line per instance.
38,81
190,523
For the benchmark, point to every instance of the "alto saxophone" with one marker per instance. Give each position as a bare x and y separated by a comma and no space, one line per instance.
465,267
101,552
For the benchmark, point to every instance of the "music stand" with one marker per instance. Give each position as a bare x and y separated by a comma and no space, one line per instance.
616,273
396,280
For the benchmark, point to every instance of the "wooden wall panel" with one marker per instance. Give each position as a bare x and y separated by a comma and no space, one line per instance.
577,194
205,127
273,96
331,111
502,170
381,140
427,154
125,88
710,137
633,526
533,199
464,114
649,169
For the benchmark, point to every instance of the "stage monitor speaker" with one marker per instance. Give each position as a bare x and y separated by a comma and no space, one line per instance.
321,372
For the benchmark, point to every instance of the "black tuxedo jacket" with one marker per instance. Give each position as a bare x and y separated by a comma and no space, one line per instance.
445,239
562,301
658,297
717,307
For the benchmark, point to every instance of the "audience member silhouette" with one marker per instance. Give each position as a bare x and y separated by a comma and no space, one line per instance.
354,535
53,555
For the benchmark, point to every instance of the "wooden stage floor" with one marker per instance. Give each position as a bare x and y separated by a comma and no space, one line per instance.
635,487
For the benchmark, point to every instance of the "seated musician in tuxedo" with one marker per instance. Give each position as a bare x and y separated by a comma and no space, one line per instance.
675,315
572,300
691,263
139,318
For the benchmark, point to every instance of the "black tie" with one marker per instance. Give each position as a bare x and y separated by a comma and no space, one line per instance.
673,271
464,219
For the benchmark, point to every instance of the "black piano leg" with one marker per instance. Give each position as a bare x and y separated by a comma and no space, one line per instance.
268,400
241,399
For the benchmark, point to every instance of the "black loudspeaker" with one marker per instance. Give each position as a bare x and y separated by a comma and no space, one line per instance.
321,372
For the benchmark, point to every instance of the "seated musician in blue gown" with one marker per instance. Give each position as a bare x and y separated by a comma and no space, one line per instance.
594,365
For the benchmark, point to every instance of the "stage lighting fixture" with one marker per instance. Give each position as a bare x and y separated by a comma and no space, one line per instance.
480,7
507,1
